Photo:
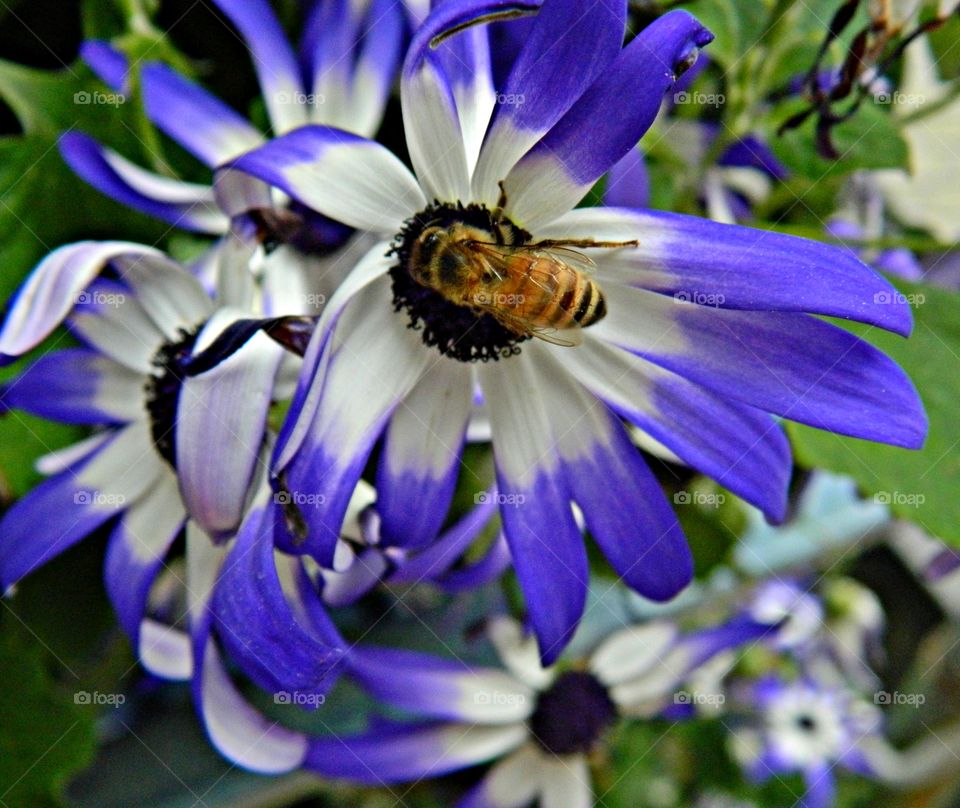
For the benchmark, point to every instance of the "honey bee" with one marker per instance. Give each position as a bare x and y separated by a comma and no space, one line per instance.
535,289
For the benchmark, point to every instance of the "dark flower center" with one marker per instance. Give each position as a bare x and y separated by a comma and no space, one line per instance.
459,332
163,392
573,714
806,722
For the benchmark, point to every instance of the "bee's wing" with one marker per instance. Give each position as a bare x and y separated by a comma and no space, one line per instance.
570,257
560,254
571,336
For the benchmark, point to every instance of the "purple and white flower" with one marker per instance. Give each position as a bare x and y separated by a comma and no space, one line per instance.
700,376
342,75
809,728
171,454
536,724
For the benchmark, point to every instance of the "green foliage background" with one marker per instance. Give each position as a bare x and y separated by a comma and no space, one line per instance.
58,637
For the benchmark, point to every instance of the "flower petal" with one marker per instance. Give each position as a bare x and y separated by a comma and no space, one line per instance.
273,59
400,753
436,137
352,81
376,363
421,455
565,782
434,687
368,270
542,86
735,267
632,651
545,542
622,502
556,173
792,365
518,652
435,560
256,624
508,784
197,120
236,729
165,651
54,288
74,503
343,176
110,65
137,549
77,386
221,422
739,446
110,320
171,296
184,204
628,182
432,126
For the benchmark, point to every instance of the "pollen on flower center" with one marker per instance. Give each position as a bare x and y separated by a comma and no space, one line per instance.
460,332
573,714
163,392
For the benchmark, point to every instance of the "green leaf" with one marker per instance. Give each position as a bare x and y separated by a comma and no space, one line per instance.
44,205
917,485
737,26
44,736
870,139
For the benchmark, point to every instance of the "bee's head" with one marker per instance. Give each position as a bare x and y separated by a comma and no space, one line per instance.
437,259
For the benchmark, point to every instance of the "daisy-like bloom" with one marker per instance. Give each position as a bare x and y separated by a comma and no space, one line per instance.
700,379
172,454
341,76
809,728
538,724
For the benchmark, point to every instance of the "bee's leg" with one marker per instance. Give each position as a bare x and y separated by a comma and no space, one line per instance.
499,222
583,243
501,202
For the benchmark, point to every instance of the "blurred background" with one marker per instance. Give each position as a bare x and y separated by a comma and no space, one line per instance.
80,722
